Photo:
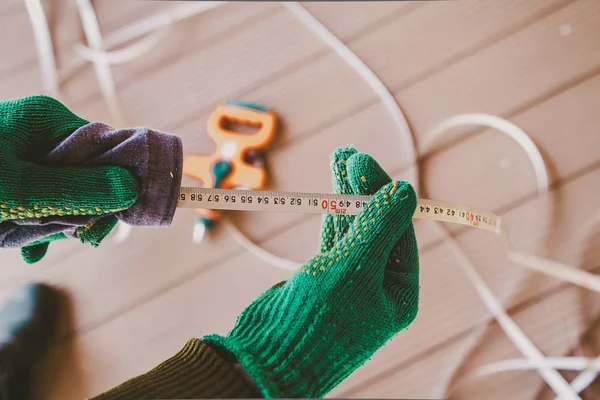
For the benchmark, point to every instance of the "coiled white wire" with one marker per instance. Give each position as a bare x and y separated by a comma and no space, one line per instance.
101,59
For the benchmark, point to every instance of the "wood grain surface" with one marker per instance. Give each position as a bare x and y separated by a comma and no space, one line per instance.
536,63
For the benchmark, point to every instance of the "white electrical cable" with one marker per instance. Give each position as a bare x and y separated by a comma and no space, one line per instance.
45,49
587,365
579,384
559,270
534,357
499,124
141,28
560,363
510,328
583,381
91,28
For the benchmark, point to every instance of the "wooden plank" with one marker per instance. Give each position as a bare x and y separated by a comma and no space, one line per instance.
22,54
143,264
581,46
280,53
185,39
247,280
300,95
134,341
16,53
555,324
343,18
245,16
8,8
217,63
116,14
516,72
442,33
25,81
133,259
14,269
501,163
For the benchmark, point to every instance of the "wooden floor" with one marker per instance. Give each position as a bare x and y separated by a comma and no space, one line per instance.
536,63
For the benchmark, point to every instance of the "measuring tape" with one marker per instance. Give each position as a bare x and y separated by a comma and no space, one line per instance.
325,203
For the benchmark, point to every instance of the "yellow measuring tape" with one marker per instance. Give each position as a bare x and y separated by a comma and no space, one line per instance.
325,203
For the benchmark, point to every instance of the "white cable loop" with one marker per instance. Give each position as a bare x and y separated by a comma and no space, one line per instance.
102,61
502,125
44,47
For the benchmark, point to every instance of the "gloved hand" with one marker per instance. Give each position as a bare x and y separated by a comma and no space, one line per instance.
301,338
65,177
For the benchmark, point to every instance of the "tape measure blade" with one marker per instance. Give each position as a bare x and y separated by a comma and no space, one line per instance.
325,203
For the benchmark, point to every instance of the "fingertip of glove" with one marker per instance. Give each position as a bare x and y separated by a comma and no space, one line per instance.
342,153
35,253
406,193
365,174
386,217
396,195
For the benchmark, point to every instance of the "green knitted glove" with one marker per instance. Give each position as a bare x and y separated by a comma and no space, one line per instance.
301,338
29,129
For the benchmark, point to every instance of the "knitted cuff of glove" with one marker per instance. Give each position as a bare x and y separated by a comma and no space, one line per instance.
155,158
197,371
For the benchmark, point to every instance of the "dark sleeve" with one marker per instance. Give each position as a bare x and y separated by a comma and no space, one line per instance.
155,158
197,371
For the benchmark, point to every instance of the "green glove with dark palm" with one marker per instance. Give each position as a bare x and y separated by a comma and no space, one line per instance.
38,201
301,338
63,176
